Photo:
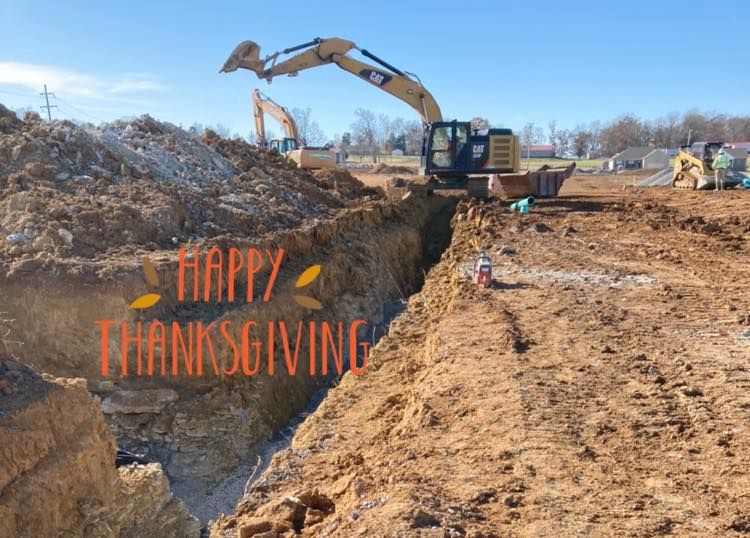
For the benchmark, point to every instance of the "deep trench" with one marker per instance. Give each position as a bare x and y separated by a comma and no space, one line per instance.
223,497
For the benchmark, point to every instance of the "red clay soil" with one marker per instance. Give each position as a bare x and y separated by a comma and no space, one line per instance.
600,388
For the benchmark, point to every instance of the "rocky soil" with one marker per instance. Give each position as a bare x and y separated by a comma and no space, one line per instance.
599,388
57,467
91,193
79,208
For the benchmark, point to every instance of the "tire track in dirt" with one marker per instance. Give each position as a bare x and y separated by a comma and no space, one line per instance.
600,389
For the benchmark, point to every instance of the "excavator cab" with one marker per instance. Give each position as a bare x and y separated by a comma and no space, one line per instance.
446,148
283,145
453,150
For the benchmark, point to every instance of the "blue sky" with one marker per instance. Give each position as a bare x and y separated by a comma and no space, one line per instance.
511,62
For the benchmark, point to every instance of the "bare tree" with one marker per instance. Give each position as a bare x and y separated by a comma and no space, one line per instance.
384,132
665,131
527,136
413,135
562,142
221,130
624,132
595,129
478,122
310,133
365,132
552,135
581,141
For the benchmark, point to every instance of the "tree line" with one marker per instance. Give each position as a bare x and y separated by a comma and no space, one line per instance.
668,132
372,134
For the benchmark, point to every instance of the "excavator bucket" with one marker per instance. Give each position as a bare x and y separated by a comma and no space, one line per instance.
246,55
544,182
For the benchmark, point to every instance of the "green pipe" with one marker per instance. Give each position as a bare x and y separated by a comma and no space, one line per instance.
522,206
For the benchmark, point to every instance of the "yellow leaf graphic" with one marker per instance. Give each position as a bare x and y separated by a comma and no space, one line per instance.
152,277
145,301
308,302
310,274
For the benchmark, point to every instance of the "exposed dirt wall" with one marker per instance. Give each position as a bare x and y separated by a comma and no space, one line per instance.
200,428
57,467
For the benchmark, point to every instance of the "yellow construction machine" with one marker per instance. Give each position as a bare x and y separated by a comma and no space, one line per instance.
453,154
307,157
693,168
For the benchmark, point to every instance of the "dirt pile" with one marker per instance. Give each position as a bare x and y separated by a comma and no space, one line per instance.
392,169
57,469
8,120
340,180
598,388
69,191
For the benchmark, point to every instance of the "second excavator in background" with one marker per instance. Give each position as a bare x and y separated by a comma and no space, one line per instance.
308,157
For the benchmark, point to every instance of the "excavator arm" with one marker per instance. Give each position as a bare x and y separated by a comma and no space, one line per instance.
325,51
265,105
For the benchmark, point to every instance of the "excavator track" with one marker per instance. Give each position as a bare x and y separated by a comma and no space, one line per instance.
683,182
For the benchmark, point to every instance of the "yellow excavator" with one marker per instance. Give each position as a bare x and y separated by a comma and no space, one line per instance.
452,152
306,157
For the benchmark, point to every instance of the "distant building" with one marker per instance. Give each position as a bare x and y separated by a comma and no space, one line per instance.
538,151
639,157
397,152
737,158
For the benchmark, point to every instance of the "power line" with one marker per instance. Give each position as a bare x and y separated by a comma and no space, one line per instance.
68,105
48,106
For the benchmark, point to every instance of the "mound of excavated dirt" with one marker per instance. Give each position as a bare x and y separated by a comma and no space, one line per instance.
79,191
8,120
340,180
389,169
57,467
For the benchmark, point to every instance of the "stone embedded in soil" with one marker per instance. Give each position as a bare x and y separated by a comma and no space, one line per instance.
138,401
57,467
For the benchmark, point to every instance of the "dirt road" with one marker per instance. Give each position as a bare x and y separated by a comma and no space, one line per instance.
599,389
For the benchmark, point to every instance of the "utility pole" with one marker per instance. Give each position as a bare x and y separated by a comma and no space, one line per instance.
47,106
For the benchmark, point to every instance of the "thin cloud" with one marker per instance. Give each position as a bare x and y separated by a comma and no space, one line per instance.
75,84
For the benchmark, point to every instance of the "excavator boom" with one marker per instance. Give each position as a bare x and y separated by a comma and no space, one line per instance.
325,51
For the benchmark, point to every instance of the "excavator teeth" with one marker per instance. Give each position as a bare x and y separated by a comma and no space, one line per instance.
245,55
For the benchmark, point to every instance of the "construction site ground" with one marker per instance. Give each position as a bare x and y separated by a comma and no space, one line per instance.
599,388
